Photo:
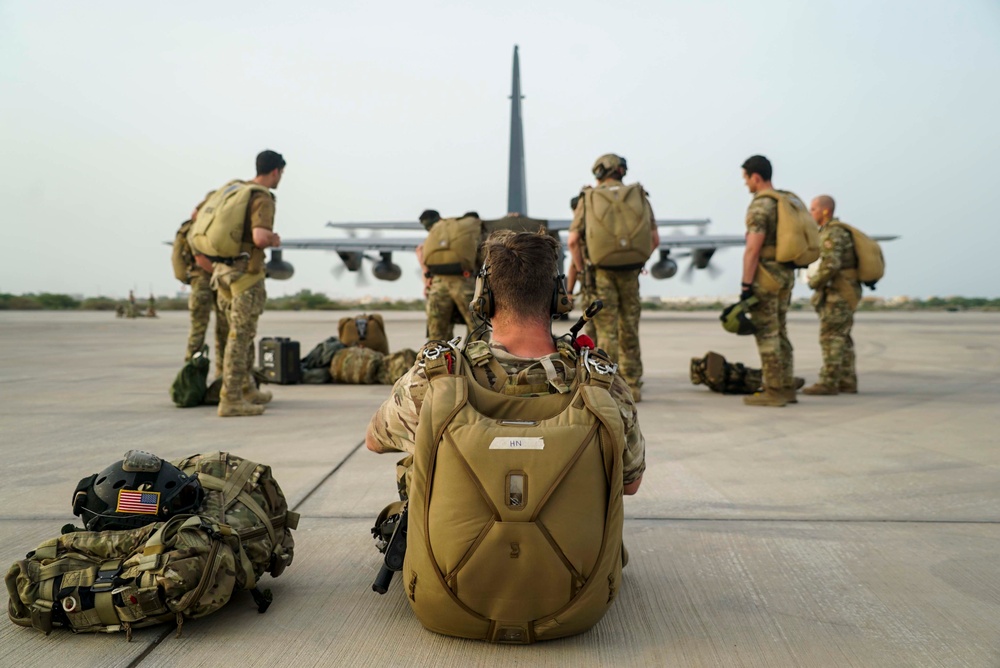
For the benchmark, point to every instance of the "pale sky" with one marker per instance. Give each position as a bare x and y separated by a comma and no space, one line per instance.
117,117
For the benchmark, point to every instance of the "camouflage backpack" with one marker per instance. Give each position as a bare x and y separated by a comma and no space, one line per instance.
184,568
357,366
394,366
718,375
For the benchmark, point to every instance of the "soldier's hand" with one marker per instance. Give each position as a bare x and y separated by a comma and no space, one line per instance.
746,291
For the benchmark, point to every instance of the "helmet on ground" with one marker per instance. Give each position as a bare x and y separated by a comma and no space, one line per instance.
136,491
736,319
608,163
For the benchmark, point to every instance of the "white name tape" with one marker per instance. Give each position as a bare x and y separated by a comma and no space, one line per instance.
518,443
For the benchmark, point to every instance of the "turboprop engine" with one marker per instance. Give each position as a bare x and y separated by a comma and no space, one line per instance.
278,268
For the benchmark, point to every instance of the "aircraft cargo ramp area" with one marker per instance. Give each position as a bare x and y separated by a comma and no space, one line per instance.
856,530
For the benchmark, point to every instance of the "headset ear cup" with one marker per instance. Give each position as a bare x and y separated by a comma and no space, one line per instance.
482,299
561,302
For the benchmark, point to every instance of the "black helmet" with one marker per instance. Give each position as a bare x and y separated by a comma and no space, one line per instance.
735,319
136,491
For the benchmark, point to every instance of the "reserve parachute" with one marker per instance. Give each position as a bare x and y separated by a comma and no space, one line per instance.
515,506
181,257
617,226
452,246
219,229
871,263
367,331
798,234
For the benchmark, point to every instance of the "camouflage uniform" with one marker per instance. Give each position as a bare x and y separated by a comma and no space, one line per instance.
201,302
447,297
394,424
772,284
617,325
241,296
838,292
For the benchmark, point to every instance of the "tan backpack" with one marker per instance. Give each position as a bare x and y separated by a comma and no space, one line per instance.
356,365
871,263
364,330
515,505
181,258
219,228
798,233
617,226
452,246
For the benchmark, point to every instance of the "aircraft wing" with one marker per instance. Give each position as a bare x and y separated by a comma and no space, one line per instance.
354,245
553,224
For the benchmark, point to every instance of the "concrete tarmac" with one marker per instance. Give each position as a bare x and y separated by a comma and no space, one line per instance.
855,530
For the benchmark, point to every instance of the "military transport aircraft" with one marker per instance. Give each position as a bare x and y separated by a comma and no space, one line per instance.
353,251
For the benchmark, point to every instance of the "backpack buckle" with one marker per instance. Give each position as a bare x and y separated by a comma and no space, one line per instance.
601,367
432,353
106,575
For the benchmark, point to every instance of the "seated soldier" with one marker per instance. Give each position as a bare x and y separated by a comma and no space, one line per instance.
518,292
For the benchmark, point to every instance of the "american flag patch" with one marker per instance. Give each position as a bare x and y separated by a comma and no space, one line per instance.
131,501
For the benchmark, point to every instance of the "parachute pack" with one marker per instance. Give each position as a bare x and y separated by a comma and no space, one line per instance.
515,505
181,257
871,263
798,234
618,226
452,246
364,330
183,568
219,228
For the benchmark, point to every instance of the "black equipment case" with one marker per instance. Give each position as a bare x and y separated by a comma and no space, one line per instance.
279,360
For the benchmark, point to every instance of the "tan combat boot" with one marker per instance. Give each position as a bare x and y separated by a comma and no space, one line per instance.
789,394
255,395
848,387
820,389
766,398
240,408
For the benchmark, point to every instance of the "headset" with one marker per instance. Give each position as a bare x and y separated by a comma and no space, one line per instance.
484,306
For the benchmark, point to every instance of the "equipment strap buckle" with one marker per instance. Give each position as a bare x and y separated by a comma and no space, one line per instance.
433,353
601,367
106,574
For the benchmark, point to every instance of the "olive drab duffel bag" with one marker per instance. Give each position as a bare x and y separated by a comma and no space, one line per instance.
364,330
162,545
798,234
617,226
515,505
191,383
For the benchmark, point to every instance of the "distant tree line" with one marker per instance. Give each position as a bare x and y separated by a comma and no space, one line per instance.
307,300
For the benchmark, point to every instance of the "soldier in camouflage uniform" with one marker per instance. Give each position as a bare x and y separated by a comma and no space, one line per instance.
521,342
448,297
241,294
201,302
772,283
617,325
838,292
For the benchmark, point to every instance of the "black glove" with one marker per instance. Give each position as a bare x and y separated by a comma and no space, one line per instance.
746,292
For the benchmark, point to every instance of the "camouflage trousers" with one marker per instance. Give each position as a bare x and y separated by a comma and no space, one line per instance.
617,325
768,318
448,300
242,310
201,303
836,318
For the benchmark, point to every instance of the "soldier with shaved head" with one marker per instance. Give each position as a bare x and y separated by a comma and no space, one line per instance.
838,292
